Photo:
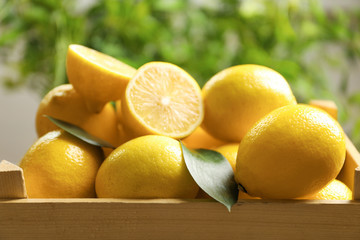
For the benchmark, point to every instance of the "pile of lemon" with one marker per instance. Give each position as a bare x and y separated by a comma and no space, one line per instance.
277,148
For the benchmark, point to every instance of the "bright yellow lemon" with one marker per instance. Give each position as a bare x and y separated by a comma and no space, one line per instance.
292,152
146,167
59,165
97,77
237,97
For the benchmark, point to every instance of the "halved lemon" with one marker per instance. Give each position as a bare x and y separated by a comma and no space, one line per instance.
97,77
162,99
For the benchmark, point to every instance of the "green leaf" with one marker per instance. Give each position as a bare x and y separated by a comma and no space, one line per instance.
79,133
213,173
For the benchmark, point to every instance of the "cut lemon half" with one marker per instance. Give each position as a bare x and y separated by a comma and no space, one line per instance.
162,99
97,77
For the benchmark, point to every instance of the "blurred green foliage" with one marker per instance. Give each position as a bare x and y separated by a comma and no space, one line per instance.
314,49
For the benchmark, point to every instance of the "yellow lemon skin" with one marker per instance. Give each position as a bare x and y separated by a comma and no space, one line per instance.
229,151
97,77
59,165
335,190
292,152
201,139
64,103
237,97
244,195
146,167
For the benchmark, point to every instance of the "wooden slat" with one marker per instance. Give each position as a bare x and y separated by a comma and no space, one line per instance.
356,191
352,161
12,184
178,219
327,105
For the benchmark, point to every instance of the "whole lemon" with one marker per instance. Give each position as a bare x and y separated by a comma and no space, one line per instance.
64,103
146,167
59,165
293,151
335,190
237,97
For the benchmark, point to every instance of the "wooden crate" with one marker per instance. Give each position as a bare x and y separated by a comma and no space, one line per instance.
182,219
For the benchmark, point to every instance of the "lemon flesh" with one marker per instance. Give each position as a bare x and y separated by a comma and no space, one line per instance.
162,99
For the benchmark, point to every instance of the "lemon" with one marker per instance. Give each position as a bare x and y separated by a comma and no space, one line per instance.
237,97
335,190
64,103
97,77
59,165
146,167
244,195
292,152
201,139
162,99
229,151
118,111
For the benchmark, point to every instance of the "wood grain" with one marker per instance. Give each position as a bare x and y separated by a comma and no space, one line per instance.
356,191
12,184
178,219
352,161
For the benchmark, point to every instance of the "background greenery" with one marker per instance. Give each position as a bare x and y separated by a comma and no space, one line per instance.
301,40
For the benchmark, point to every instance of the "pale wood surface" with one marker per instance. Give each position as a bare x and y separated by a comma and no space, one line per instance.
327,105
12,184
356,191
178,219
352,161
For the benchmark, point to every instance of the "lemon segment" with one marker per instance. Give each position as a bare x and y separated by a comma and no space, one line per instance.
162,99
97,77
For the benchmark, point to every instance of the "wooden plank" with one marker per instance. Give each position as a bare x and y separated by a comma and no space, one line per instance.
178,219
356,191
352,161
12,184
327,105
